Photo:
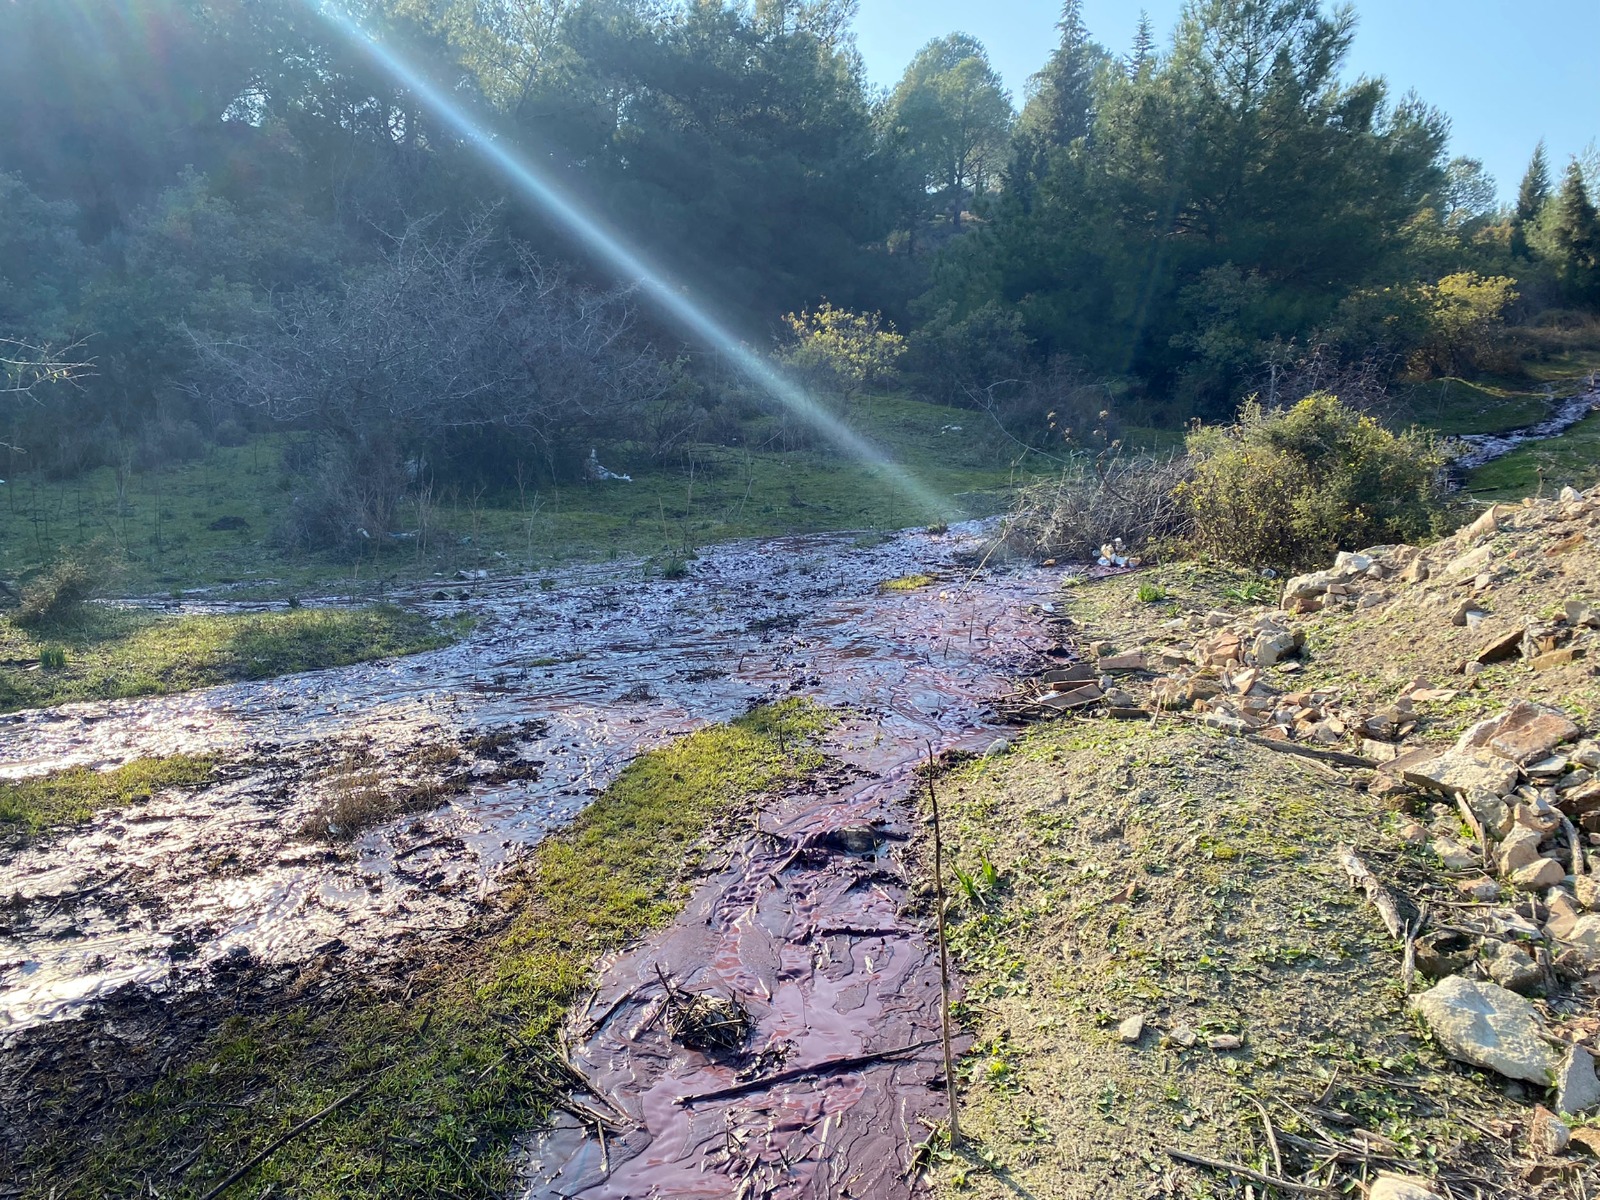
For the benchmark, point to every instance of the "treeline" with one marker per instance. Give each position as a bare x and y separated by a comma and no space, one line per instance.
213,198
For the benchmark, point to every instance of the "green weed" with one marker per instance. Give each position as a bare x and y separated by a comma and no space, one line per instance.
34,806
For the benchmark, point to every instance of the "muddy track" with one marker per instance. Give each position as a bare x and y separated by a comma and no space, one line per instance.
809,928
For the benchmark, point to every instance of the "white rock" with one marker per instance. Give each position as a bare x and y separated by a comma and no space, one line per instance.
1577,1088
1520,848
1539,874
996,748
1453,854
1585,933
1401,1187
1131,1030
1570,495
1487,1026
1587,889
1547,1133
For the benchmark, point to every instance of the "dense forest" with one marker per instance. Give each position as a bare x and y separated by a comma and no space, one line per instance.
225,216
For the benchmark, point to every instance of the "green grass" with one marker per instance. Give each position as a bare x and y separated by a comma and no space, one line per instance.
34,806
907,583
1456,406
158,523
1571,459
460,1064
113,653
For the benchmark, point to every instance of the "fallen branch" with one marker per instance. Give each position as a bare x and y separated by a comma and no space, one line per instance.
1313,752
826,1067
239,1173
1216,1164
1381,897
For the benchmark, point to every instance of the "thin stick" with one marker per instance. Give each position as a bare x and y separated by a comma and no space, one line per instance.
944,954
240,1172
1272,1135
827,1066
1217,1164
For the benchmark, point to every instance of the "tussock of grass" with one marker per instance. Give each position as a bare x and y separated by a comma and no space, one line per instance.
33,806
907,583
456,1061
113,653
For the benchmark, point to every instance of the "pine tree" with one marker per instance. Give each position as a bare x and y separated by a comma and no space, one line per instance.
1535,189
1574,238
1063,97
1144,46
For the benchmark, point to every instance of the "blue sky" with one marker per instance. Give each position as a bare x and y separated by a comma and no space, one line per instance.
1506,73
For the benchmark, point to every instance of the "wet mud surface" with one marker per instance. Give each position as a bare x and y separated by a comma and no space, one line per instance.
807,921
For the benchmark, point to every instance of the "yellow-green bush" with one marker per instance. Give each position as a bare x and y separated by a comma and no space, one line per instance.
1290,487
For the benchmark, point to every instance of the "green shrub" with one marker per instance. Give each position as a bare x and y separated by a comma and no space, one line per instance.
1289,488
1151,593
58,597
53,658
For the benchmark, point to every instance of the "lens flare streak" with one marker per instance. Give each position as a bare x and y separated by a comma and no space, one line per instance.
626,261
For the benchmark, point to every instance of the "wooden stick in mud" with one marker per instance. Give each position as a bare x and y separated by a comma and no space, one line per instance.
1381,897
826,1067
944,954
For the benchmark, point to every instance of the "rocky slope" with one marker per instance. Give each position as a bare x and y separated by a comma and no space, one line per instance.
1301,894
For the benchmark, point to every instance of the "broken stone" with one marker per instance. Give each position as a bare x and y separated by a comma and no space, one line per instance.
1537,875
1459,772
1488,1026
1131,661
1183,1036
1586,889
1547,1133
1225,1041
1525,732
1554,658
1401,1187
1270,647
1581,612
1459,614
1498,649
1454,855
1586,1139
1513,968
1131,1030
1577,1087
1521,847
1479,887
1585,933
1492,812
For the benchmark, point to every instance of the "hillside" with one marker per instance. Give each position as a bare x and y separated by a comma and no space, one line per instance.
1172,956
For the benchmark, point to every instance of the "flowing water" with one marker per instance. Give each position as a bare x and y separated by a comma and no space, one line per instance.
581,677
1486,447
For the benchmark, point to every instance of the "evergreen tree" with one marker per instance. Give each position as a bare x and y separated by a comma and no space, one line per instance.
1061,106
1144,47
1531,197
1535,188
1573,238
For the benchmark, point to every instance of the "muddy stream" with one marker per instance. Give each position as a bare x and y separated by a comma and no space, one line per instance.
803,921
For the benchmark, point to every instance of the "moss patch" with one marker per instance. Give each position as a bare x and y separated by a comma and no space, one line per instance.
907,583
32,806
456,1058
116,652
